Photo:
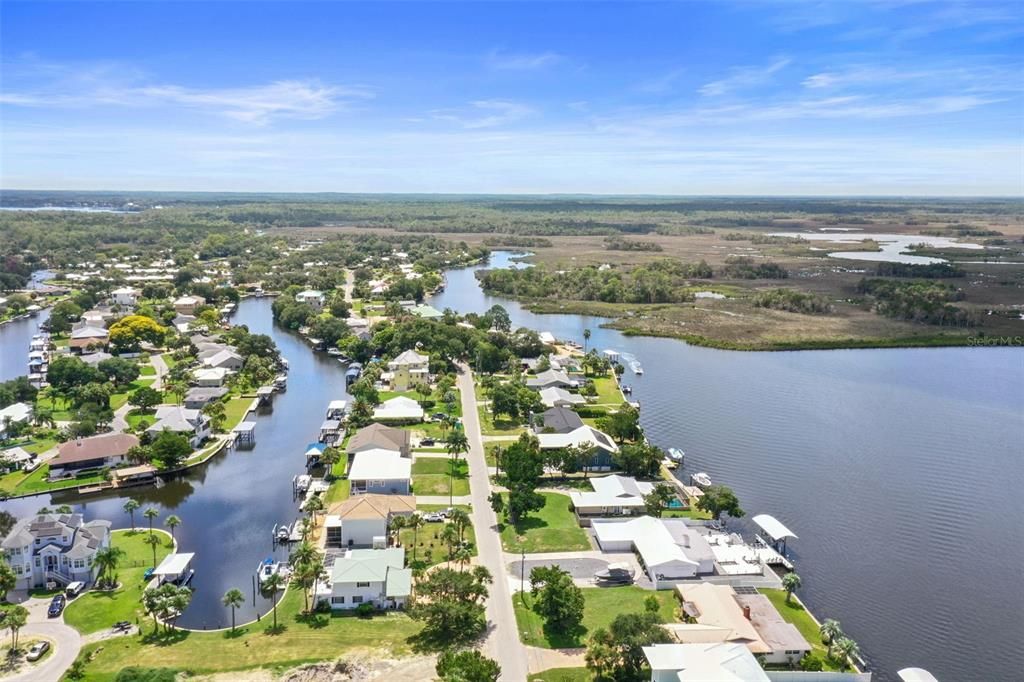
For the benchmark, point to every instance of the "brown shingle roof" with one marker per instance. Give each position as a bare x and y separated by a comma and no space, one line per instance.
97,447
373,506
379,436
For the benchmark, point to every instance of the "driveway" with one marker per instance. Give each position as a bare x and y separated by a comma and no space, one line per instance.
65,640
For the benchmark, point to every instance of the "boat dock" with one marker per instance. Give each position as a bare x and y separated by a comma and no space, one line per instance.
244,434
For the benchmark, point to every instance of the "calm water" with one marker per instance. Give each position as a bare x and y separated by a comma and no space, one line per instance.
900,470
16,335
229,506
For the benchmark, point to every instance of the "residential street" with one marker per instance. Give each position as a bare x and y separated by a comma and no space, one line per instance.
503,642
65,640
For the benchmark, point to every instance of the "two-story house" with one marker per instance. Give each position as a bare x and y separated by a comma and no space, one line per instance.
192,423
407,370
370,576
54,547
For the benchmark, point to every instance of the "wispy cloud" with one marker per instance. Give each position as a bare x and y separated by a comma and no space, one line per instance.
522,61
744,77
963,77
658,85
486,113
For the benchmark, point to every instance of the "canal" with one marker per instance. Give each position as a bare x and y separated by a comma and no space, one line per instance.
900,470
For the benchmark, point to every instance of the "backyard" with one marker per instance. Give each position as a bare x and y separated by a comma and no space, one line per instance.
552,529
795,613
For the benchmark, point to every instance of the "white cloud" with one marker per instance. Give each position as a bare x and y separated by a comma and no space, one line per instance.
507,61
660,84
486,113
744,77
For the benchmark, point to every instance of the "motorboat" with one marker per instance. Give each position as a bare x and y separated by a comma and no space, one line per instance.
267,568
626,390
333,350
618,573
283,533
676,455
637,368
701,479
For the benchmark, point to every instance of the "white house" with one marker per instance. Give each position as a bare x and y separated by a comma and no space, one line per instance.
668,549
407,370
210,377
363,520
312,298
380,471
17,459
612,496
702,662
125,296
399,409
177,419
16,413
559,397
54,547
225,359
549,378
370,576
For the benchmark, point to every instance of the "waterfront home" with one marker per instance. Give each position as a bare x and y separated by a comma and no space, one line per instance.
559,397
407,370
86,339
54,547
380,471
715,613
96,358
587,438
668,549
186,305
357,324
311,297
125,296
177,419
380,437
557,420
369,576
550,378
200,396
426,312
363,520
210,377
96,317
225,359
91,453
702,662
547,338
183,323
611,496
15,413
399,409
17,459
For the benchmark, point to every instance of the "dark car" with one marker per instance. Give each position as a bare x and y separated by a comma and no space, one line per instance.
56,606
426,442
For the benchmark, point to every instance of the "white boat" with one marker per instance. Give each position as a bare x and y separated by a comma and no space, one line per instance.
267,568
701,479
676,455
637,368
302,482
334,351
283,532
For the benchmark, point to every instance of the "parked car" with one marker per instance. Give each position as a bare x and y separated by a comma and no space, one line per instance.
426,442
74,589
434,517
57,606
439,416
37,650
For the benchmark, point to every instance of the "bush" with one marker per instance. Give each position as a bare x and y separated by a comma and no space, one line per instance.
365,610
812,663
322,606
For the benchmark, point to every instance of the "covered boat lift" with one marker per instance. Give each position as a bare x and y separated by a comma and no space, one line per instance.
775,530
175,568
336,409
245,434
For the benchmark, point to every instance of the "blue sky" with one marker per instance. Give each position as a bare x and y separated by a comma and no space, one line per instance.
895,97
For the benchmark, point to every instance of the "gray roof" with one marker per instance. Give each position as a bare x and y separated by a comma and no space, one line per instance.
379,436
206,393
96,358
561,420
89,333
87,536
548,378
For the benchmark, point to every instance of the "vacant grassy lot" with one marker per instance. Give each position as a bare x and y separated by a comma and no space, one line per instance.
36,482
608,392
234,410
601,606
430,476
552,529
95,610
429,547
299,639
503,426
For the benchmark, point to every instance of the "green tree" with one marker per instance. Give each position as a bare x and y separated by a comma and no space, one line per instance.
131,331
456,445
846,650
617,653
658,499
129,508
17,617
172,522
233,599
623,424
145,398
217,412
307,570
170,449
154,542
106,560
150,514
452,606
331,456
830,631
8,579
718,500
466,666
586,340
639,459
273,584
414,522
119,371
556,598
790,583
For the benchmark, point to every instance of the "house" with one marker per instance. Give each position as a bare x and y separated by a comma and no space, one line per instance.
97,317
380,437
311,297
380,471
125,296
559,397
186,305
183,323
716,613
427,312
91,453
363,520
612,496
702,662
407,370
357,323
225,359
17,459
585,437
557,420
191,422
550,378
199,397
15,413
210,377
54,547
96,358
547,338
668,549
370,576
85,339
399,409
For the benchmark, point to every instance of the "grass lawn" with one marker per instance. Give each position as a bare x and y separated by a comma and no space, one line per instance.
795,613
147,370
94,610
430,476
608,392
429,548
60,409
234,410
169,360
552,529
299,639
601,606
338,492
137,416
36,482
563,675
502,427
120,398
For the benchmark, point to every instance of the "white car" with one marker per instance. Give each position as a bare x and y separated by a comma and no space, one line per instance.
37,650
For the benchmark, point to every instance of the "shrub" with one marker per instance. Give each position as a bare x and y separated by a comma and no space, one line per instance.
365,610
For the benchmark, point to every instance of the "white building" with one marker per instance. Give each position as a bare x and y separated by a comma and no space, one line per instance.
16,413
559,397
363,520
225,359
311,297
210,377
190,422
380,471
54,547
125,296
370,576
668,549
703,662
399,409
587,438
612,496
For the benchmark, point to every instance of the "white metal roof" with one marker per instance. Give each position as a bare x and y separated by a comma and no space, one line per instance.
380,464
916,675
773,527
174,564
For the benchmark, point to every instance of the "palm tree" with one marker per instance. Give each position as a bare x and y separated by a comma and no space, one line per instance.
846,649
330,457
462,557
172,522
314,505
16,618
586,340
273,584
397,524
129,508
233,599
790,583
306,574
150,514
178,389
456,444
459,519
217,414
450,537
830,632
414,522
152,541
106,560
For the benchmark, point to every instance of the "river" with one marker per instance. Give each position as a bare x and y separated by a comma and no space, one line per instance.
899,469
